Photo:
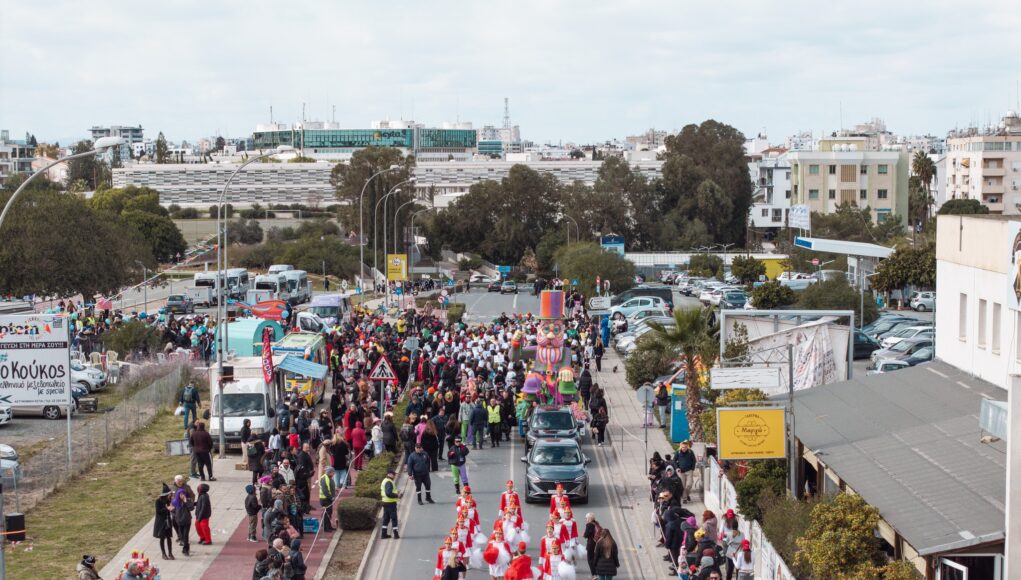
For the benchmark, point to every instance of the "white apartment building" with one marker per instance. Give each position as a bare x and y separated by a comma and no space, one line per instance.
845,170
770,172
986,165
16,155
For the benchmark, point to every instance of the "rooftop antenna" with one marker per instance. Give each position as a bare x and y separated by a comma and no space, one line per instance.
271,114
841,116
506,113
302,112
334,117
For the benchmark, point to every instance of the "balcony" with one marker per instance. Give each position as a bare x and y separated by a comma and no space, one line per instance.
993,171
996,207
988,189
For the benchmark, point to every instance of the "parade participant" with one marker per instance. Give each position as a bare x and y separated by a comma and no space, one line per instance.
569,536
467,502
521,566
509,527
555,566
456,543
546,541
497,555
444,554
559,500
510,494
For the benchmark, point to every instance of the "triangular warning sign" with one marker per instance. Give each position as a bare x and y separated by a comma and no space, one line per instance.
382,371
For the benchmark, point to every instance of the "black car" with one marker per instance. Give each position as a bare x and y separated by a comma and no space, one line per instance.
494,286
864,345
552,422
553,461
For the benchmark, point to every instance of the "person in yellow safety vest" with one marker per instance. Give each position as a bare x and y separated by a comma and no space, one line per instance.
327,492
402,326
495,432
388,493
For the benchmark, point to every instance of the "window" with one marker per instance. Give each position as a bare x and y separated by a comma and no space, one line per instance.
778,215
813,170
833,169
765,212
813,194
788,175
788,194
833,194
981,342
863,194
847,173
996,328
884,169
882,194
864,169
962,317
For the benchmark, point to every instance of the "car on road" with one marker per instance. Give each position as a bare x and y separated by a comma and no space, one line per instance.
549,422
625,309
923,301
509,287
902,349
180,304
665,293
494,286
92,379
478,278
908,332
556,461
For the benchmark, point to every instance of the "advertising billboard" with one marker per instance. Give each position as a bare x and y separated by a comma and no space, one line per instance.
397,267
751,433
35,360
612,243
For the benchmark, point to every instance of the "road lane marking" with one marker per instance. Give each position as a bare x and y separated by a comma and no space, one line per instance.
614,501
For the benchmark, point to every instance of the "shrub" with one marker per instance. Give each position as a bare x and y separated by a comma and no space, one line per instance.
455,312
369,479
188,213
765,477
838,295
784,520
771,295
357,513
649,360
840,541
133,336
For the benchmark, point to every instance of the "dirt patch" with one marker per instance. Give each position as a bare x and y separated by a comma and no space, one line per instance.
348,555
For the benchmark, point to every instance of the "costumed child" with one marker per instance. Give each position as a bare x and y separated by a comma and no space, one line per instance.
569,536
559,501
521,566
443,555
467,501
546,541
497,555
555,566
507,496
509,527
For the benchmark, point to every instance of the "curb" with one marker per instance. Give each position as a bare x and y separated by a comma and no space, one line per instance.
328,555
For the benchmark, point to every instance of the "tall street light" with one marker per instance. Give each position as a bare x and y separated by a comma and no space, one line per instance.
577,229
413,216
145,285
375,227
361,230
102,144
221,278
396,213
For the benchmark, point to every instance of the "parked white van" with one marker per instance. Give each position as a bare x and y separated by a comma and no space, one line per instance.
238,282
268,287
279,268
247,397
298,286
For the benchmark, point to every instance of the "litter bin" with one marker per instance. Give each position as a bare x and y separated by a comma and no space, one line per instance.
14,523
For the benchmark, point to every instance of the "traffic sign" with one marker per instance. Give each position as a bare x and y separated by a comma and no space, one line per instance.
574,282
450,282
411,344
815,261
382,371
646,395
504,269
599,303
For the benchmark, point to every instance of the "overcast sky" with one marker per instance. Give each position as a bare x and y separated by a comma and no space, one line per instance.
578,71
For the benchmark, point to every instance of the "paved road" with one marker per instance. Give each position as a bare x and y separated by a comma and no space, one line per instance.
485,306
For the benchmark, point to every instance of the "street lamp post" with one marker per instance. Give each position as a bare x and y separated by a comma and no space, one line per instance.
576,228
145,286
396,213
375,227
361,231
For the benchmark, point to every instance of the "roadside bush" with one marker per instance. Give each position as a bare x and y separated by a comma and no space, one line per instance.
455,312
465,264
839,295
784,520
369,479
357,513
228,211
133,336
771,295
649,360
725,400
840,542
764,477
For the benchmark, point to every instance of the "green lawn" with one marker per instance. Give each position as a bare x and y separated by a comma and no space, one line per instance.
100,510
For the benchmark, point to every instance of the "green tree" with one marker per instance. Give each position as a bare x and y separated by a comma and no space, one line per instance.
586,261
690,336
162,150
784,520
839,295
840,541
766,477
771,295
914,266
925,169
242,231
349,178
47,150
706,265
963,207
220,144
165,240
133,336
90,170
228,211
650,359
747,269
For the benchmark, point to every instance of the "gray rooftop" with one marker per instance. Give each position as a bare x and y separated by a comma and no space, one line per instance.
908,443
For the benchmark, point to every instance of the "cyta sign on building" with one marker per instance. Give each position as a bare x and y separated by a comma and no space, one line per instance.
35,360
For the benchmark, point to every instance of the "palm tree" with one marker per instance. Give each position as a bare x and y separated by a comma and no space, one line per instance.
923,167
691,336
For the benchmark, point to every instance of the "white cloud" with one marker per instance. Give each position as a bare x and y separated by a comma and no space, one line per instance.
574,70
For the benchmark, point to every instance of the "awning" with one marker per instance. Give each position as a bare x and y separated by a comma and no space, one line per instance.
305,368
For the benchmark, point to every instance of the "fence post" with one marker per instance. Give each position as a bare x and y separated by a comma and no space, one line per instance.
106,430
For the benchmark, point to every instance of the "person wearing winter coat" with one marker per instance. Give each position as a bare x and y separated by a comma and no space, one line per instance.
86,569
606,560
389,433
585,385
203,511
183,503
298,567
477,428
358,442
164,524
252,510
591,534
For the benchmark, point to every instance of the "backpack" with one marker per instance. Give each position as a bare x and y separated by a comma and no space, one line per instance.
189,394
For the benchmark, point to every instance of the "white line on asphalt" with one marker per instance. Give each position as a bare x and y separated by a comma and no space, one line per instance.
631,563
515,303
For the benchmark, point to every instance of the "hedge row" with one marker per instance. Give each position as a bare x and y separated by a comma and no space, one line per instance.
369,479
357,513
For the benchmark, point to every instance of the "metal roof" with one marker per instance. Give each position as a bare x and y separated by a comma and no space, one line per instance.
842,247
908,443
305,368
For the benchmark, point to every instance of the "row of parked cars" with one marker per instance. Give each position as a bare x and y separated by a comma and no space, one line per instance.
901,341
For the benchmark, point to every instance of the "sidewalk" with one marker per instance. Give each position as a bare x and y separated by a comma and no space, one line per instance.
231,556
628,456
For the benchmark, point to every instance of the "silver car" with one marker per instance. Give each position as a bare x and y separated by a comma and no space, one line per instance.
923,301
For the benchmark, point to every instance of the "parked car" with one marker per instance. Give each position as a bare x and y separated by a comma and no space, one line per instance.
665,293
92,379
494,286
550,422
922,301
902,349
907,332
180,304
628,308
509,287
864,345
902,325
6,414
884,323
733,299
646,313
10,469
556,461
47,411
887,366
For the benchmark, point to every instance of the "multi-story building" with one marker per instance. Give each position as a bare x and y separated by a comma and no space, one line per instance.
986,165
770,172
651,139
16,155
131,135
325,140
802,141
843,170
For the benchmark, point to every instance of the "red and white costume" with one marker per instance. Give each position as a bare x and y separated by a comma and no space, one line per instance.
508,497
498,556
545,543
441,559
468,502
559,503
568,532
556,567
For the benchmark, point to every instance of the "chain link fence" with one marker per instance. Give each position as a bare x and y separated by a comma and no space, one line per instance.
92,435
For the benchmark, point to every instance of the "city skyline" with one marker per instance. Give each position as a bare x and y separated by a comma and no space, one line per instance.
192,69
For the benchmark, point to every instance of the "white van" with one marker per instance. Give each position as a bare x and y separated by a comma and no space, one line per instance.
238,282
279,268
298,286
268,287
247,397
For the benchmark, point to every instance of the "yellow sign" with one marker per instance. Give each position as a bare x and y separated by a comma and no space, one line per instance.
397,267
751,433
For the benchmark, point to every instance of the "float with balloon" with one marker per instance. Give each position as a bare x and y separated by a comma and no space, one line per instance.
550,379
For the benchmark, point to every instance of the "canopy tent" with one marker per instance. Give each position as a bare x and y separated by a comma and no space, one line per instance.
244,336
306,368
